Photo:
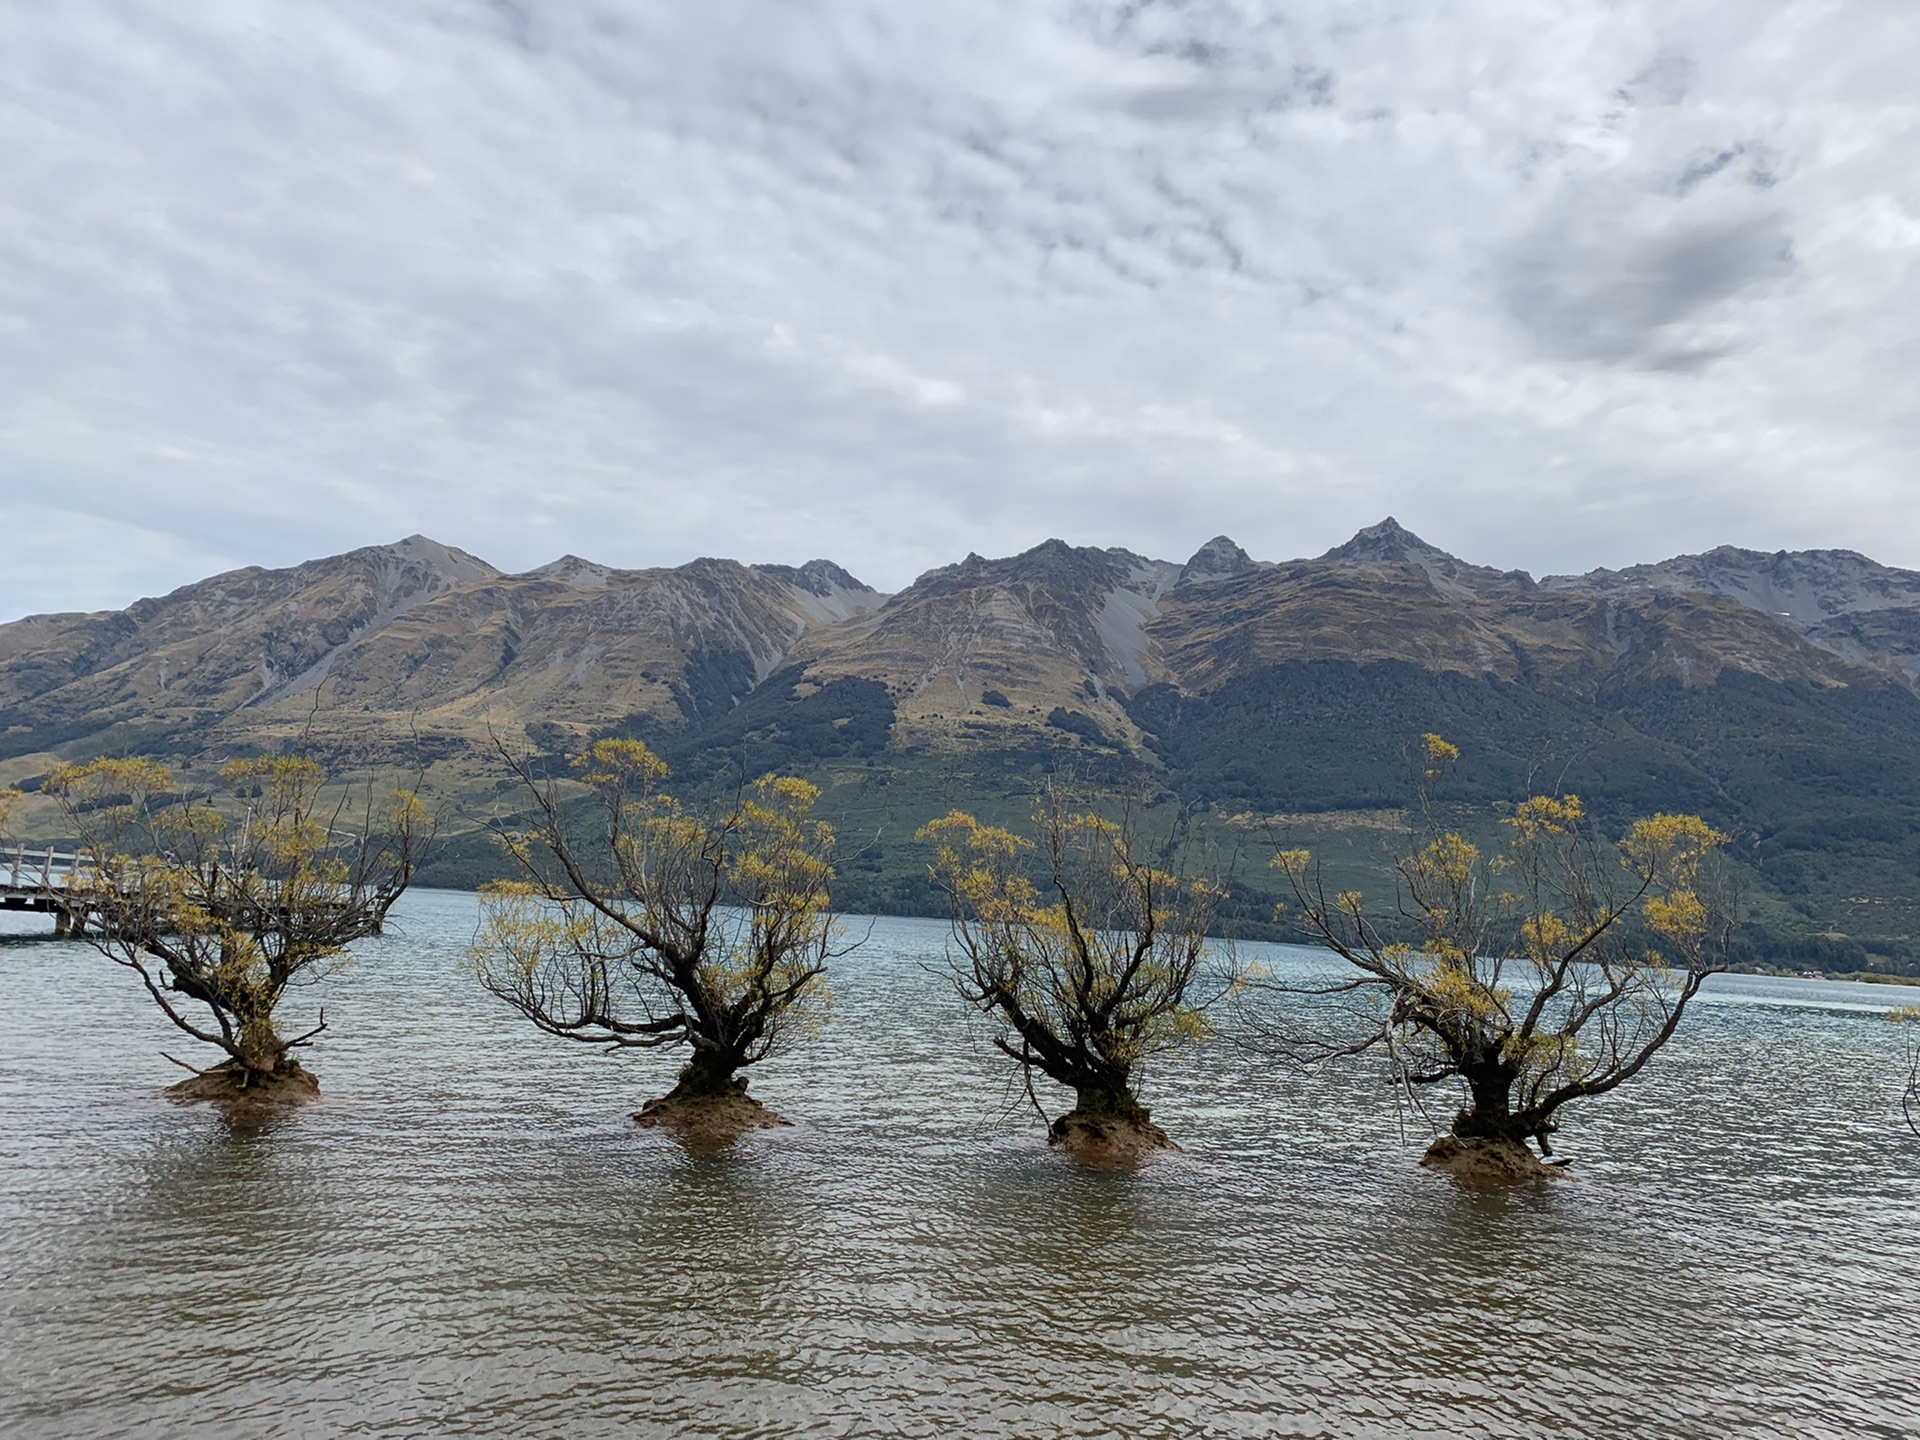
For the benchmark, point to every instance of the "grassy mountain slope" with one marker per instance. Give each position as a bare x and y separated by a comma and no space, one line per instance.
1776,695
191,659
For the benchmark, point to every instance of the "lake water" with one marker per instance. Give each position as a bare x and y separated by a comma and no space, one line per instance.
467,1235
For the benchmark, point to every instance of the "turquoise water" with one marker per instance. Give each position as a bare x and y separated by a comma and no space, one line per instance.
467,1235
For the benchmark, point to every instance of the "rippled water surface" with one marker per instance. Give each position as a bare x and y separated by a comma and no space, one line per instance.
468,1236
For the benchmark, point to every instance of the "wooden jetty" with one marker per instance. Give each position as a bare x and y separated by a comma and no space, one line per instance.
42,880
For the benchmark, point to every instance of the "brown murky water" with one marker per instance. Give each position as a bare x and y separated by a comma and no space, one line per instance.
468,1237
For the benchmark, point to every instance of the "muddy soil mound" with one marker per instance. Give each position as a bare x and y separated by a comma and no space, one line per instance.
1108,1139
233,1087
708,1120
1489,1162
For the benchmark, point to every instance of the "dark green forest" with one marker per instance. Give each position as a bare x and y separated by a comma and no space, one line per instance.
1818,786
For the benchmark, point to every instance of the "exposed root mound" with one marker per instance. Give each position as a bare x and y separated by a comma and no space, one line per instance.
1489,1162
234,1088
1108,1139
707,1120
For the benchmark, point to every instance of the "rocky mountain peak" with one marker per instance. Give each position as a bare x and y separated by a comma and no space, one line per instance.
1219,559
456,567
1391,544
1857,608
1056,562
1387,541
1804,586
573,571
1051,563
1049,622
825,591
823,575
817,577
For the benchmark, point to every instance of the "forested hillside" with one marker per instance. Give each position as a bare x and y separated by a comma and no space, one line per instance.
1773,694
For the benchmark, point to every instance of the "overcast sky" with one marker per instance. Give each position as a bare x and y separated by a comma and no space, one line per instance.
1557,284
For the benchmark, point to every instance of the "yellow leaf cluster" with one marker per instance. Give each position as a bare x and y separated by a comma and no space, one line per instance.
1448,861
1547,1052
1437,756
1680,916
1670,847
1542,816
1293,863
620,764
1546,937
1451,985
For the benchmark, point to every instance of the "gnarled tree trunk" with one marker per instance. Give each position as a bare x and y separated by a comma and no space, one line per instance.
1107,1122
710,1074
1489,1138
1488,1114
1111,1101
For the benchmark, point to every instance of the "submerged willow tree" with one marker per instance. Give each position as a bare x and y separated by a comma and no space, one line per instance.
1087,974
665,927
224,903
1549,972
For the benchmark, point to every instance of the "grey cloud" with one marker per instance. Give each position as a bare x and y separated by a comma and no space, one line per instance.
1598,286
1643,250
1209,96
1752,162
891,283
1665,81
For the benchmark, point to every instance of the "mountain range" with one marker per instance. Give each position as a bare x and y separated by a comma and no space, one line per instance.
1777,694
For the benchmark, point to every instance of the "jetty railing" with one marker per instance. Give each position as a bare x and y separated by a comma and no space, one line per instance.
43,879
46,869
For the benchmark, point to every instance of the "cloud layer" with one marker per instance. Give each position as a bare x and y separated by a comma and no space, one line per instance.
1557,284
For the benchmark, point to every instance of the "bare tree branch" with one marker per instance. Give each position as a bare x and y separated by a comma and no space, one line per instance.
1095,970
1551,971
228,901
707,929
